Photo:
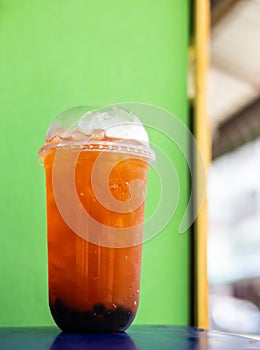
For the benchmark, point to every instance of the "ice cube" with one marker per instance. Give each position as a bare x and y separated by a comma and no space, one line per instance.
82,123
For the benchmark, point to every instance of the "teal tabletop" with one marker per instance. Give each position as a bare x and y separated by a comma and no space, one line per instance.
137,337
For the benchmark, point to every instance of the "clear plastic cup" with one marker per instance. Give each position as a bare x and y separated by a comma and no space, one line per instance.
96,164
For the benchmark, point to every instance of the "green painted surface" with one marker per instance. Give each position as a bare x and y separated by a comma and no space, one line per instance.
57,54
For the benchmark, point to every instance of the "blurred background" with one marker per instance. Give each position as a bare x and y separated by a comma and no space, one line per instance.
234,176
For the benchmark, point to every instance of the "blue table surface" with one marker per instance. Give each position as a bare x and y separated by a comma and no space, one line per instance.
137,337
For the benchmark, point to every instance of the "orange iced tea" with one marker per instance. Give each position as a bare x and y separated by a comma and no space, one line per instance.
94,287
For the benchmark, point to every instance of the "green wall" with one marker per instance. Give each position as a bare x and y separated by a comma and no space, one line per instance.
57,54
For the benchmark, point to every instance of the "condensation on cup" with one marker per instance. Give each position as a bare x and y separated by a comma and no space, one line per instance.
96,163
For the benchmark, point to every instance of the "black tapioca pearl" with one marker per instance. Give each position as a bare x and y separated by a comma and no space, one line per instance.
97,319
61,314
99,309
118,319
88,315
60,308
110,318
123,316
108,314
80,319
60,311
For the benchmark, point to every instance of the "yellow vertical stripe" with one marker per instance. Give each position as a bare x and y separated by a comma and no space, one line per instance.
202,134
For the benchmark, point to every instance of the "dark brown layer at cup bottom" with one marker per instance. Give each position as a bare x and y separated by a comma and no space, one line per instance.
99,319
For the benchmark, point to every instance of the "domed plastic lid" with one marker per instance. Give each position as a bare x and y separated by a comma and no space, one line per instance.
103,129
